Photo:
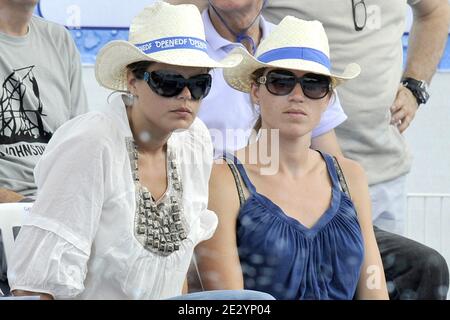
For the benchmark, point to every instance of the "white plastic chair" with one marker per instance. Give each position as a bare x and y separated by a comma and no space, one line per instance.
11,215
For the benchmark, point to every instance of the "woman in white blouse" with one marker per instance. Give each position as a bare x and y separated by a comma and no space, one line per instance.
122,198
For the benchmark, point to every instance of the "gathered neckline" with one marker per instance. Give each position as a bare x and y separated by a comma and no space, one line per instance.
274,208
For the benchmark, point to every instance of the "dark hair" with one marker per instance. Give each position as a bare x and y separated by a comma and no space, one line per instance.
255,75
138,68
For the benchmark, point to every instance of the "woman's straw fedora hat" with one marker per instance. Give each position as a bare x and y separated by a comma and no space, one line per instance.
293,44
161,32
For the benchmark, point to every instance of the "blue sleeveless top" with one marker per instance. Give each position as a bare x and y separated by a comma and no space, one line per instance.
281,256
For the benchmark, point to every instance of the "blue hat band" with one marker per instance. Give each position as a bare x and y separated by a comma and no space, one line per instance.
172,43
302,53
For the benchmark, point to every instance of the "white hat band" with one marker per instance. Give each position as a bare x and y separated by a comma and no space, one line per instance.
172,43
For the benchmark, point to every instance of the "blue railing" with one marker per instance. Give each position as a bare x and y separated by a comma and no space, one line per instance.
90,41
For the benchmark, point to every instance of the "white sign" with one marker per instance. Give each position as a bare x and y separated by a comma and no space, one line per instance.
92,13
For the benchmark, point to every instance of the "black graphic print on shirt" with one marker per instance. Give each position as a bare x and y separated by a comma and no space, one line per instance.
21,115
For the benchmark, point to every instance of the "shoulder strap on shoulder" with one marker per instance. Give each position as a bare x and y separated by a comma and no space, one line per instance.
341,177
237,181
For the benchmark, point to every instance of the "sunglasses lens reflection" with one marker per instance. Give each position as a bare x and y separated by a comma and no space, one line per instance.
199,85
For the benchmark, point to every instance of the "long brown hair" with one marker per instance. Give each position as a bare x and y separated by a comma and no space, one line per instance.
255,75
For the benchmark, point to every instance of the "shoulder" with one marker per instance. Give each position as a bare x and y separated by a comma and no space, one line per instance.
350,166
42,23
89,129
222,178
223,194
221,173
87,142
354,173
358,186
90,122
49,27
55,33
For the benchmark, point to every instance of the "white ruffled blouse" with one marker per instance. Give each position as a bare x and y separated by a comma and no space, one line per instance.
78,241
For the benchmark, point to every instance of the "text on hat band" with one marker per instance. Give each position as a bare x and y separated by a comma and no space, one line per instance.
172,43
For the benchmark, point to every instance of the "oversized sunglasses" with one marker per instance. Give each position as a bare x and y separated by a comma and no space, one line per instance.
168,83
282,82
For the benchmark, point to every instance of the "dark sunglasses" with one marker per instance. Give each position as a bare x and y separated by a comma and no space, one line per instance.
170,84
282,82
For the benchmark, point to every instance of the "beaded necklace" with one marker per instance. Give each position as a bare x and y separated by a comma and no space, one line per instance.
159,226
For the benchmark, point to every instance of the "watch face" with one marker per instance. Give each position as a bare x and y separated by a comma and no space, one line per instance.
423,85
423,90
425,96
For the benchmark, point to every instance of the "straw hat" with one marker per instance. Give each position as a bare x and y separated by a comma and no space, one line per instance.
293,44
162,33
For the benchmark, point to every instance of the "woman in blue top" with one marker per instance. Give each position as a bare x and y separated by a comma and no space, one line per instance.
289,223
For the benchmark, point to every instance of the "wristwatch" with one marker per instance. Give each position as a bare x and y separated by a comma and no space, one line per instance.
418,88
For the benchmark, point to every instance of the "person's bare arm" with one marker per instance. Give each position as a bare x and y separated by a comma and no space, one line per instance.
372,282
9,196
218,258
185,289
426,44
43,296
427,39
327,143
